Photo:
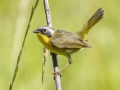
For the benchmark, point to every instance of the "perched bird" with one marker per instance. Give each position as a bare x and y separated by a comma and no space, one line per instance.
66,43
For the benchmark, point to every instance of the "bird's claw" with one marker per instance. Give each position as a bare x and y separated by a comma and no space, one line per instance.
57,73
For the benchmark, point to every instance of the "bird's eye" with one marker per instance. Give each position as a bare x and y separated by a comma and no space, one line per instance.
44,30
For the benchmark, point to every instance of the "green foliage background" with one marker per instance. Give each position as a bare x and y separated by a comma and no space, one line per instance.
92,69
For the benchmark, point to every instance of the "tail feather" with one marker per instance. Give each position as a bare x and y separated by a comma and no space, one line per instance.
97,16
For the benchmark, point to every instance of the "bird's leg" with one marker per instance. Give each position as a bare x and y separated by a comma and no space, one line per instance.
69,60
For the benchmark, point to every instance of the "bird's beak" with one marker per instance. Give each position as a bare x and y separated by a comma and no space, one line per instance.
36,31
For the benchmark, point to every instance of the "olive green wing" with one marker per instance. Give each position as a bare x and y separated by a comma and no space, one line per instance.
64,39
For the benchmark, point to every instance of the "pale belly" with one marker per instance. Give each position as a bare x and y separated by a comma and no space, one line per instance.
62,51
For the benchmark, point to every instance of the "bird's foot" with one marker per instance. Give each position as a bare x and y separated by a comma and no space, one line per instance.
57,73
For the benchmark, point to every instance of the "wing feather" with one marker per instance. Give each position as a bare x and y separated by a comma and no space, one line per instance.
64,39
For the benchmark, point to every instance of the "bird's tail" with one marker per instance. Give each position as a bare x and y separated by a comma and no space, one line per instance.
97,16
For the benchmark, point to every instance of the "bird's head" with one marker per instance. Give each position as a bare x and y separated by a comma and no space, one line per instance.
45,30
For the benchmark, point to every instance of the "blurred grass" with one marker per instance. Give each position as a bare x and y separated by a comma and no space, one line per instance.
92,69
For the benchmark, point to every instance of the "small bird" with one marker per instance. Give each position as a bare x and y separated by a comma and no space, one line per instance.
66,43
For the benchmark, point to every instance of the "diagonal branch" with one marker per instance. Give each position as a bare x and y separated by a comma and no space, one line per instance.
54,57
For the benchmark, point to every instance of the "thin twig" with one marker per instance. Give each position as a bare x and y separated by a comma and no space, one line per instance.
47,12
54,57
19,56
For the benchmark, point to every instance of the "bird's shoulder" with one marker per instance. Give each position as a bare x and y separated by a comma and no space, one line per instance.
62,33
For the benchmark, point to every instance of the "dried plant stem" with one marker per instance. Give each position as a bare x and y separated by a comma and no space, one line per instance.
19,56
45,51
